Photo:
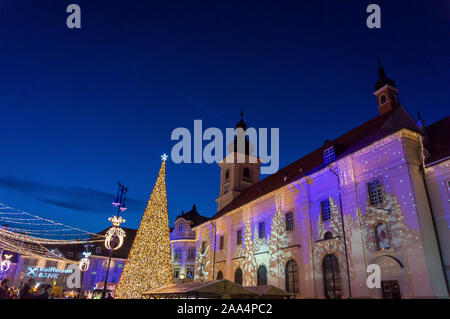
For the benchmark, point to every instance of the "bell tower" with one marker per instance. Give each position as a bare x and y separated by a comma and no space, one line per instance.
236,176
385,91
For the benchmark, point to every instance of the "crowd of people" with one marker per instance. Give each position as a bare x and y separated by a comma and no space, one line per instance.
26,291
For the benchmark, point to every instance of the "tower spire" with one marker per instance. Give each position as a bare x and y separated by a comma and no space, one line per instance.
385,91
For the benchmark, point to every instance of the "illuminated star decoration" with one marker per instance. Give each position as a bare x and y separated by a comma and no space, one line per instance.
164,157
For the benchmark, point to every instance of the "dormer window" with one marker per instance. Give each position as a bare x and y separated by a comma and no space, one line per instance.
329,155
383,99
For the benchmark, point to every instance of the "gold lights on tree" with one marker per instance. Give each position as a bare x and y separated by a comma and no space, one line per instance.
149,264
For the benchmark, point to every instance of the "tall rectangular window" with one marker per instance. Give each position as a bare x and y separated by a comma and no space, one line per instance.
239,237
375,192
329,155
221,242
177,254
203,247
191,254
289,221
190,273
261,230
325,209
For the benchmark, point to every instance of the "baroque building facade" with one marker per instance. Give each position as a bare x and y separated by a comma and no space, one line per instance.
378,194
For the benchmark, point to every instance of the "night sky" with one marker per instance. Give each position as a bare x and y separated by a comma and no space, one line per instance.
82,109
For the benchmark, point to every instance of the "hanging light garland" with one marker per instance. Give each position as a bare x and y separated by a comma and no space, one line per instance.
30,235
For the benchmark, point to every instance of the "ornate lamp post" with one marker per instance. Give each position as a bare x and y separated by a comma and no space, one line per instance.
115,233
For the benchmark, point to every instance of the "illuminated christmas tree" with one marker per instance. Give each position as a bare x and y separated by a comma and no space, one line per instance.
249,265
149,265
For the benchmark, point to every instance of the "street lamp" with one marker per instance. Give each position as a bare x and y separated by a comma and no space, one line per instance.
115,232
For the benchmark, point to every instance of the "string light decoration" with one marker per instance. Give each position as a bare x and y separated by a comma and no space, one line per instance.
149,264
33,236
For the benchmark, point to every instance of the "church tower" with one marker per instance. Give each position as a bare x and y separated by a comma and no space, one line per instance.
385,91
236,176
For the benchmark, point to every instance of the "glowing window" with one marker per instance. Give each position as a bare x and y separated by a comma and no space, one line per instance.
289,221
325,209
375,192
190,273
329,155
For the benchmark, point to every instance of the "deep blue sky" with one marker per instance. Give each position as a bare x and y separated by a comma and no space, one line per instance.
81,109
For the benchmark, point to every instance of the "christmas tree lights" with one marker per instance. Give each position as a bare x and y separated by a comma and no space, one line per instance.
149,264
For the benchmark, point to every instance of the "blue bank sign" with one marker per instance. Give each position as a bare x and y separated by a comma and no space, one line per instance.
47,272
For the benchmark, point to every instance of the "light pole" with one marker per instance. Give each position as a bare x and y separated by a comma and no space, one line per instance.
115,232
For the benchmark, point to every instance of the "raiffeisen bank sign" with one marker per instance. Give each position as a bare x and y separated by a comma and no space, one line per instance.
47,272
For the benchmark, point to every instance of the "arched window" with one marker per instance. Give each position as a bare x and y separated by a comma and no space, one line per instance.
292,284
261,276
227,174
331,277
383,99
180,227
238,276
246,172
219,275
382,237
328,235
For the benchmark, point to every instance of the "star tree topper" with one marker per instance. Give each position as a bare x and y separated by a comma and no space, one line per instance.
164,157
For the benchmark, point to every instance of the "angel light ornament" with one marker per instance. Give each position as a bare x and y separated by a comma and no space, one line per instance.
6,263
85,262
